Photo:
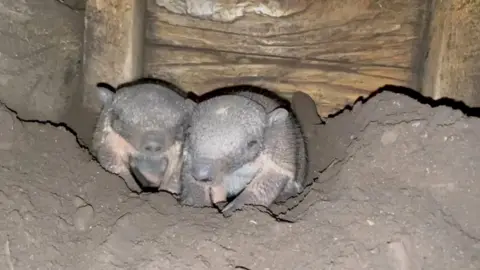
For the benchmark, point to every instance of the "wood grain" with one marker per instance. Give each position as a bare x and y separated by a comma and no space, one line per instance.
452,64
334,51
113,53
114,42
332,85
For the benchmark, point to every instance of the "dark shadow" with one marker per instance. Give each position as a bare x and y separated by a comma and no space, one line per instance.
420,47
142,182
107,86
47,122
449,102
146,80
243,88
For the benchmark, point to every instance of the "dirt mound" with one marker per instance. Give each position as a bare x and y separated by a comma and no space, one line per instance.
395,188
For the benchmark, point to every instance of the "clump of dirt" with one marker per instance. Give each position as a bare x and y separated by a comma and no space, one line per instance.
396,188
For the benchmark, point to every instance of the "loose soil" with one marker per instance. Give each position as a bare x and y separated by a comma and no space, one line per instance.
396,187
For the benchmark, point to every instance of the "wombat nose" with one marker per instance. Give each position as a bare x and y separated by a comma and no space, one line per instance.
152,147
201,173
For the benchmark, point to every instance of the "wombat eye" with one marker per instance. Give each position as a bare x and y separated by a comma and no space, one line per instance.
252,143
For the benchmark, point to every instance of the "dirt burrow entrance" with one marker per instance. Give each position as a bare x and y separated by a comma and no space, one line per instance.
400,192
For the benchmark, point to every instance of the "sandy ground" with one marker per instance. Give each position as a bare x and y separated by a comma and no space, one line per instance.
402,194
396,182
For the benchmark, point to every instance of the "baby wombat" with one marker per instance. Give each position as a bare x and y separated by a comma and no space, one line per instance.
140,133
242,146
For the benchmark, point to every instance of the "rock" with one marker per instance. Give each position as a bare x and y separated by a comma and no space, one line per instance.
83,217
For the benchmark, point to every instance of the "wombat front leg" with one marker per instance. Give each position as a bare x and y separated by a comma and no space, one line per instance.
194,193
114,164
112,152
261,192
218,196
291,189
263,189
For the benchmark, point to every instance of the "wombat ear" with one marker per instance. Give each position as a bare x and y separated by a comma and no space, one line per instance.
277,115
104,94
190,104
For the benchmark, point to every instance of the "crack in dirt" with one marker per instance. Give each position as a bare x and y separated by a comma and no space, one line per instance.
333,232
450,220
242,267
8,254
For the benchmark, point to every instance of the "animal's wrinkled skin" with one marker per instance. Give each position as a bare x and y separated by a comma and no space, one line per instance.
139,135
242,148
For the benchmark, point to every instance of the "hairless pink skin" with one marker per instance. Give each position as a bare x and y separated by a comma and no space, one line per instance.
218,194
119,147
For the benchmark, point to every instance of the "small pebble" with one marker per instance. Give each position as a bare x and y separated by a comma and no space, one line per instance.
14,216
389,137
79,202
133,195
28,216
83,217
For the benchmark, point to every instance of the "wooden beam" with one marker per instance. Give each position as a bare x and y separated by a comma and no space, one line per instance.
333,51
114,42
452,64
330,84
113,53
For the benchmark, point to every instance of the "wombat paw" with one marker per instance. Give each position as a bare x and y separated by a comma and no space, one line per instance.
233,206
186,200
133,186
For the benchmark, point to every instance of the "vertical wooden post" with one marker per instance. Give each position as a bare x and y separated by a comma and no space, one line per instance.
113,42
452,68
113,53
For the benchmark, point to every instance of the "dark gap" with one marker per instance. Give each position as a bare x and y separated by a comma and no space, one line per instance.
449,102
145,80
47,122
